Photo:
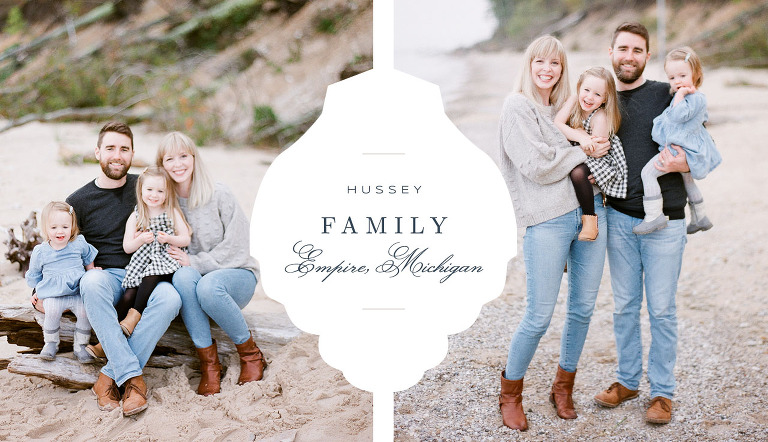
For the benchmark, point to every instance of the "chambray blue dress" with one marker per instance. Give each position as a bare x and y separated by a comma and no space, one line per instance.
683,124
56,273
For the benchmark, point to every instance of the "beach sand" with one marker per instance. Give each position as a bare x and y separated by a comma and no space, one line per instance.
723,318
300,397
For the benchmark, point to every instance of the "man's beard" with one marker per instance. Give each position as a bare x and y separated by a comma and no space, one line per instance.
114,174
628,77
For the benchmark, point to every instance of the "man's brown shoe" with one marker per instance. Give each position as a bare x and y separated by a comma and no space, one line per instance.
107,394
135,396
660,411
614,395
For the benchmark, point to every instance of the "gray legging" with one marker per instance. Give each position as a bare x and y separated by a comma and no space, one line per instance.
651,189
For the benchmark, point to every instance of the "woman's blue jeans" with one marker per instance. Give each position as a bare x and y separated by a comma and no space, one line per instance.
218,295
547,247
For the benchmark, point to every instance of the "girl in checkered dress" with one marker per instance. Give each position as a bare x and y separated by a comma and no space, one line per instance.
156,223
594,112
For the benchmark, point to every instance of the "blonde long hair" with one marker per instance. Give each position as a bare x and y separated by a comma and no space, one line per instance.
611,104
201,188
57,206
170,205
543,47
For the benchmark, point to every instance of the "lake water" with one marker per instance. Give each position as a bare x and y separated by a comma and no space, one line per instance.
426,31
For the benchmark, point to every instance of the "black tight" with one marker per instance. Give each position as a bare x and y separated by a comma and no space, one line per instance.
582,186
137,297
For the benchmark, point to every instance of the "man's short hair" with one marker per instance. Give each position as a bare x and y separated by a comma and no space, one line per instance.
115,126
633,28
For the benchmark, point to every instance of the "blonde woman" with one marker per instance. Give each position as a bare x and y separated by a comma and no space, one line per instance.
218,275
536,160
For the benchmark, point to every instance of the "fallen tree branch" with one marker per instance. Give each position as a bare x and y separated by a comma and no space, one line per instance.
93,16
88,113
21,324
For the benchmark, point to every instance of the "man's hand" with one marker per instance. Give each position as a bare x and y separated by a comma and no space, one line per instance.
669,162
36,303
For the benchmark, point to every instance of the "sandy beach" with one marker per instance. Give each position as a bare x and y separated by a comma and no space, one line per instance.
722,315
723,319
300,397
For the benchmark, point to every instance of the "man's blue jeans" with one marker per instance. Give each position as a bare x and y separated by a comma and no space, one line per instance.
547,247
219,295
656,259
101,289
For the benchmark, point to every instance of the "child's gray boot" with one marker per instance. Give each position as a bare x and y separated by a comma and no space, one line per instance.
699,220
81,340
51,347
654,216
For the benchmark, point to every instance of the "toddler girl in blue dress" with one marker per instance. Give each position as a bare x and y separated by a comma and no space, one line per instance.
682,124
55,269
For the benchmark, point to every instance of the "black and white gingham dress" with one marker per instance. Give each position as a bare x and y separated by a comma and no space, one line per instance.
610,170
152,258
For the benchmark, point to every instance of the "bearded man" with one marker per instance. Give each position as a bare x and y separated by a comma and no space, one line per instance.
654,259
102,207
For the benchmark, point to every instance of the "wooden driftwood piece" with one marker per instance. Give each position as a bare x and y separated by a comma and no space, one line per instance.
21,324
20,251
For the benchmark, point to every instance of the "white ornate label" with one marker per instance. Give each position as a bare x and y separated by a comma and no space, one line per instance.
383,230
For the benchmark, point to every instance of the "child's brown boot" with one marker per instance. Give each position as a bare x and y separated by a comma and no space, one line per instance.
96,351
130,321
588,228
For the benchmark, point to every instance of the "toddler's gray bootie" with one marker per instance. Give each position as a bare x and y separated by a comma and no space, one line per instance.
49,351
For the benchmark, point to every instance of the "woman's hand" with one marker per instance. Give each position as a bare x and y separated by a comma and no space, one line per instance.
179,255
585,141
600,147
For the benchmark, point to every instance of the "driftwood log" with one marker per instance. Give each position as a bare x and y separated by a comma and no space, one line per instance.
20,251
21,324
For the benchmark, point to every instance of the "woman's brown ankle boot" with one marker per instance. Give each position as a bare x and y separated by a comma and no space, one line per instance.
511,404
251,362
562,394
210,370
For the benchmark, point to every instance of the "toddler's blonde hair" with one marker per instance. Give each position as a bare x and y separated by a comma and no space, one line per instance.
688,55
57,206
